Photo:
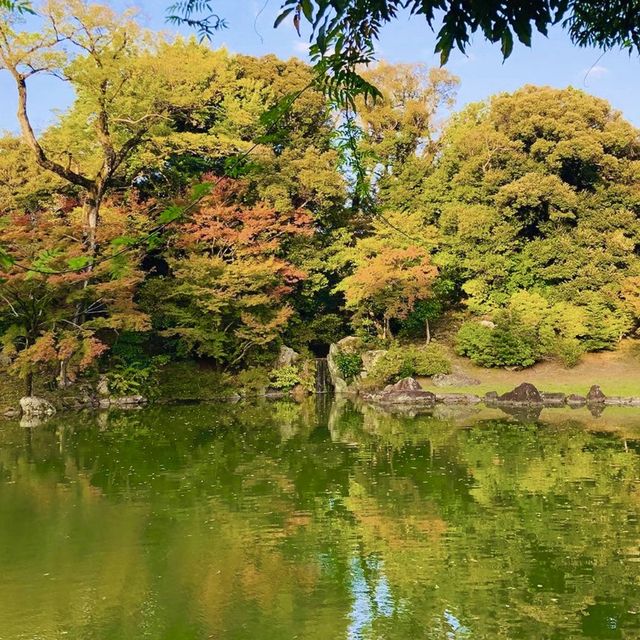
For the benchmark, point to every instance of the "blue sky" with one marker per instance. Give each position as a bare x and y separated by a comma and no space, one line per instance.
551,61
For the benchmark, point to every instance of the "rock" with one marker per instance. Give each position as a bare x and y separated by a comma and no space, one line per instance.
35,407
369,360
491,397
406,391
457,398
453,380
286,358
595,395
102,388
576,400
622,401
554,399
487,323
524,394
11,412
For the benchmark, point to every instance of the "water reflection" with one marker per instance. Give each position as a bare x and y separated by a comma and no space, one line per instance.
287,520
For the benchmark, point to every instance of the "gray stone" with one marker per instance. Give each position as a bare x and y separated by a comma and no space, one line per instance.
12,412
491,397
487,323
35,407
576,400
286,358
128,401
554,399
102,388
595,395
453,380
406,391
523,394
457,398
370,359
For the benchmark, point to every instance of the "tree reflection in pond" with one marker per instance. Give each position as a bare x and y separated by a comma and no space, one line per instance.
283,520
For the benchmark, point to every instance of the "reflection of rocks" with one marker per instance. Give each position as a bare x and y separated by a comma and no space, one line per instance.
455,413
33,406
491,397
453,380
574,400
12,412
30,422
622,402
522,412
596,408
554,399
457,398
122,402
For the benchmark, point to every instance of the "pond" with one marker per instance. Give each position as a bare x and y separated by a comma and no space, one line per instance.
321,520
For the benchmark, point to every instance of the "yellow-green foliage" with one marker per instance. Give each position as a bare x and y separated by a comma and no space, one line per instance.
402,361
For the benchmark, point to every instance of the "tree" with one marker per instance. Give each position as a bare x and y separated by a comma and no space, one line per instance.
230,275
538,191
387,281
127,89
345,32
57,324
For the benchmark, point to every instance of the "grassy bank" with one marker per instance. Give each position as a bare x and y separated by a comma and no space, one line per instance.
617,373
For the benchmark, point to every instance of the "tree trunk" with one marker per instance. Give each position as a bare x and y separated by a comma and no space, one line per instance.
91,218
63,380
387,329
29,384
427,330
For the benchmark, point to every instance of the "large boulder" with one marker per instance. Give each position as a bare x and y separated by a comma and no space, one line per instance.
370,359
287,357
523,394
453,380
35,407
595,395
406,391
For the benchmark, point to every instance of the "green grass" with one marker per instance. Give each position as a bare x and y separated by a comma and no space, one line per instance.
617,373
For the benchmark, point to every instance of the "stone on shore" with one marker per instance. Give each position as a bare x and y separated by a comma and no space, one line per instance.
524,394
596,395
453,380
287,357
406,391
575,400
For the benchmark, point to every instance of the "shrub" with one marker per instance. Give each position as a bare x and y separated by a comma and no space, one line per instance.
284,378
568,350
405,361
430,360
509,344
136,378
252,381
349,365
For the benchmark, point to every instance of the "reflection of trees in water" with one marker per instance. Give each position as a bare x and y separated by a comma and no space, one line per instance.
271,520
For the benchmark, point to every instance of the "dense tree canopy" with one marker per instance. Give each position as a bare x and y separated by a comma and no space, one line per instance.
225,223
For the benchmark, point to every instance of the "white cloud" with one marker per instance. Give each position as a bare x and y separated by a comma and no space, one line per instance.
596,71
301,46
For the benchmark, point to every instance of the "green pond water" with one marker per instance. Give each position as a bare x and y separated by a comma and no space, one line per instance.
319,521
